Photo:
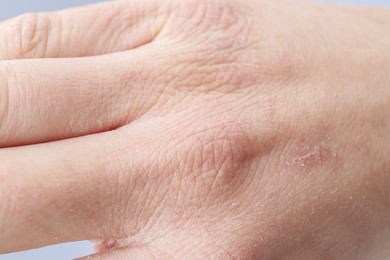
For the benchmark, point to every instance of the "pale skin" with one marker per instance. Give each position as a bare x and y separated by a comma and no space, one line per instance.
189,129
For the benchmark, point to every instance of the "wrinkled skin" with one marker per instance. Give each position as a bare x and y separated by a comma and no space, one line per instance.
187,129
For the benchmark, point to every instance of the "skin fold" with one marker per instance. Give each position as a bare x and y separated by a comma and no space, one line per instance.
193,129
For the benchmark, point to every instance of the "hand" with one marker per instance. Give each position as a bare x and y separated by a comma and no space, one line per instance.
191,129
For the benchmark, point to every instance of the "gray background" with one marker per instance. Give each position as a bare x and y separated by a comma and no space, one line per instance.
11,8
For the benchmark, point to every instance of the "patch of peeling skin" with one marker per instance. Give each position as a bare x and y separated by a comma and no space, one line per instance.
311,155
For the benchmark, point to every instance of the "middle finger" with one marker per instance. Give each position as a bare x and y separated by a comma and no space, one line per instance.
47,100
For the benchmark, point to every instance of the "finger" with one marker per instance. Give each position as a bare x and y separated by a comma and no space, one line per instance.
68,190
86,31
46,100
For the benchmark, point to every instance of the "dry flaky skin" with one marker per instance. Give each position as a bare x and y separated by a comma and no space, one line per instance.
243,130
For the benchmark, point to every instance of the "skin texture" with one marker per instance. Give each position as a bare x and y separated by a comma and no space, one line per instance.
189,129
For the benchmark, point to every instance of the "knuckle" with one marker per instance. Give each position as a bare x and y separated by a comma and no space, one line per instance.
216,57
222,15
28,35
214,14
217,161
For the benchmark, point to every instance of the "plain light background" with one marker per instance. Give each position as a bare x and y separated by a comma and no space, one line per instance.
9,9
